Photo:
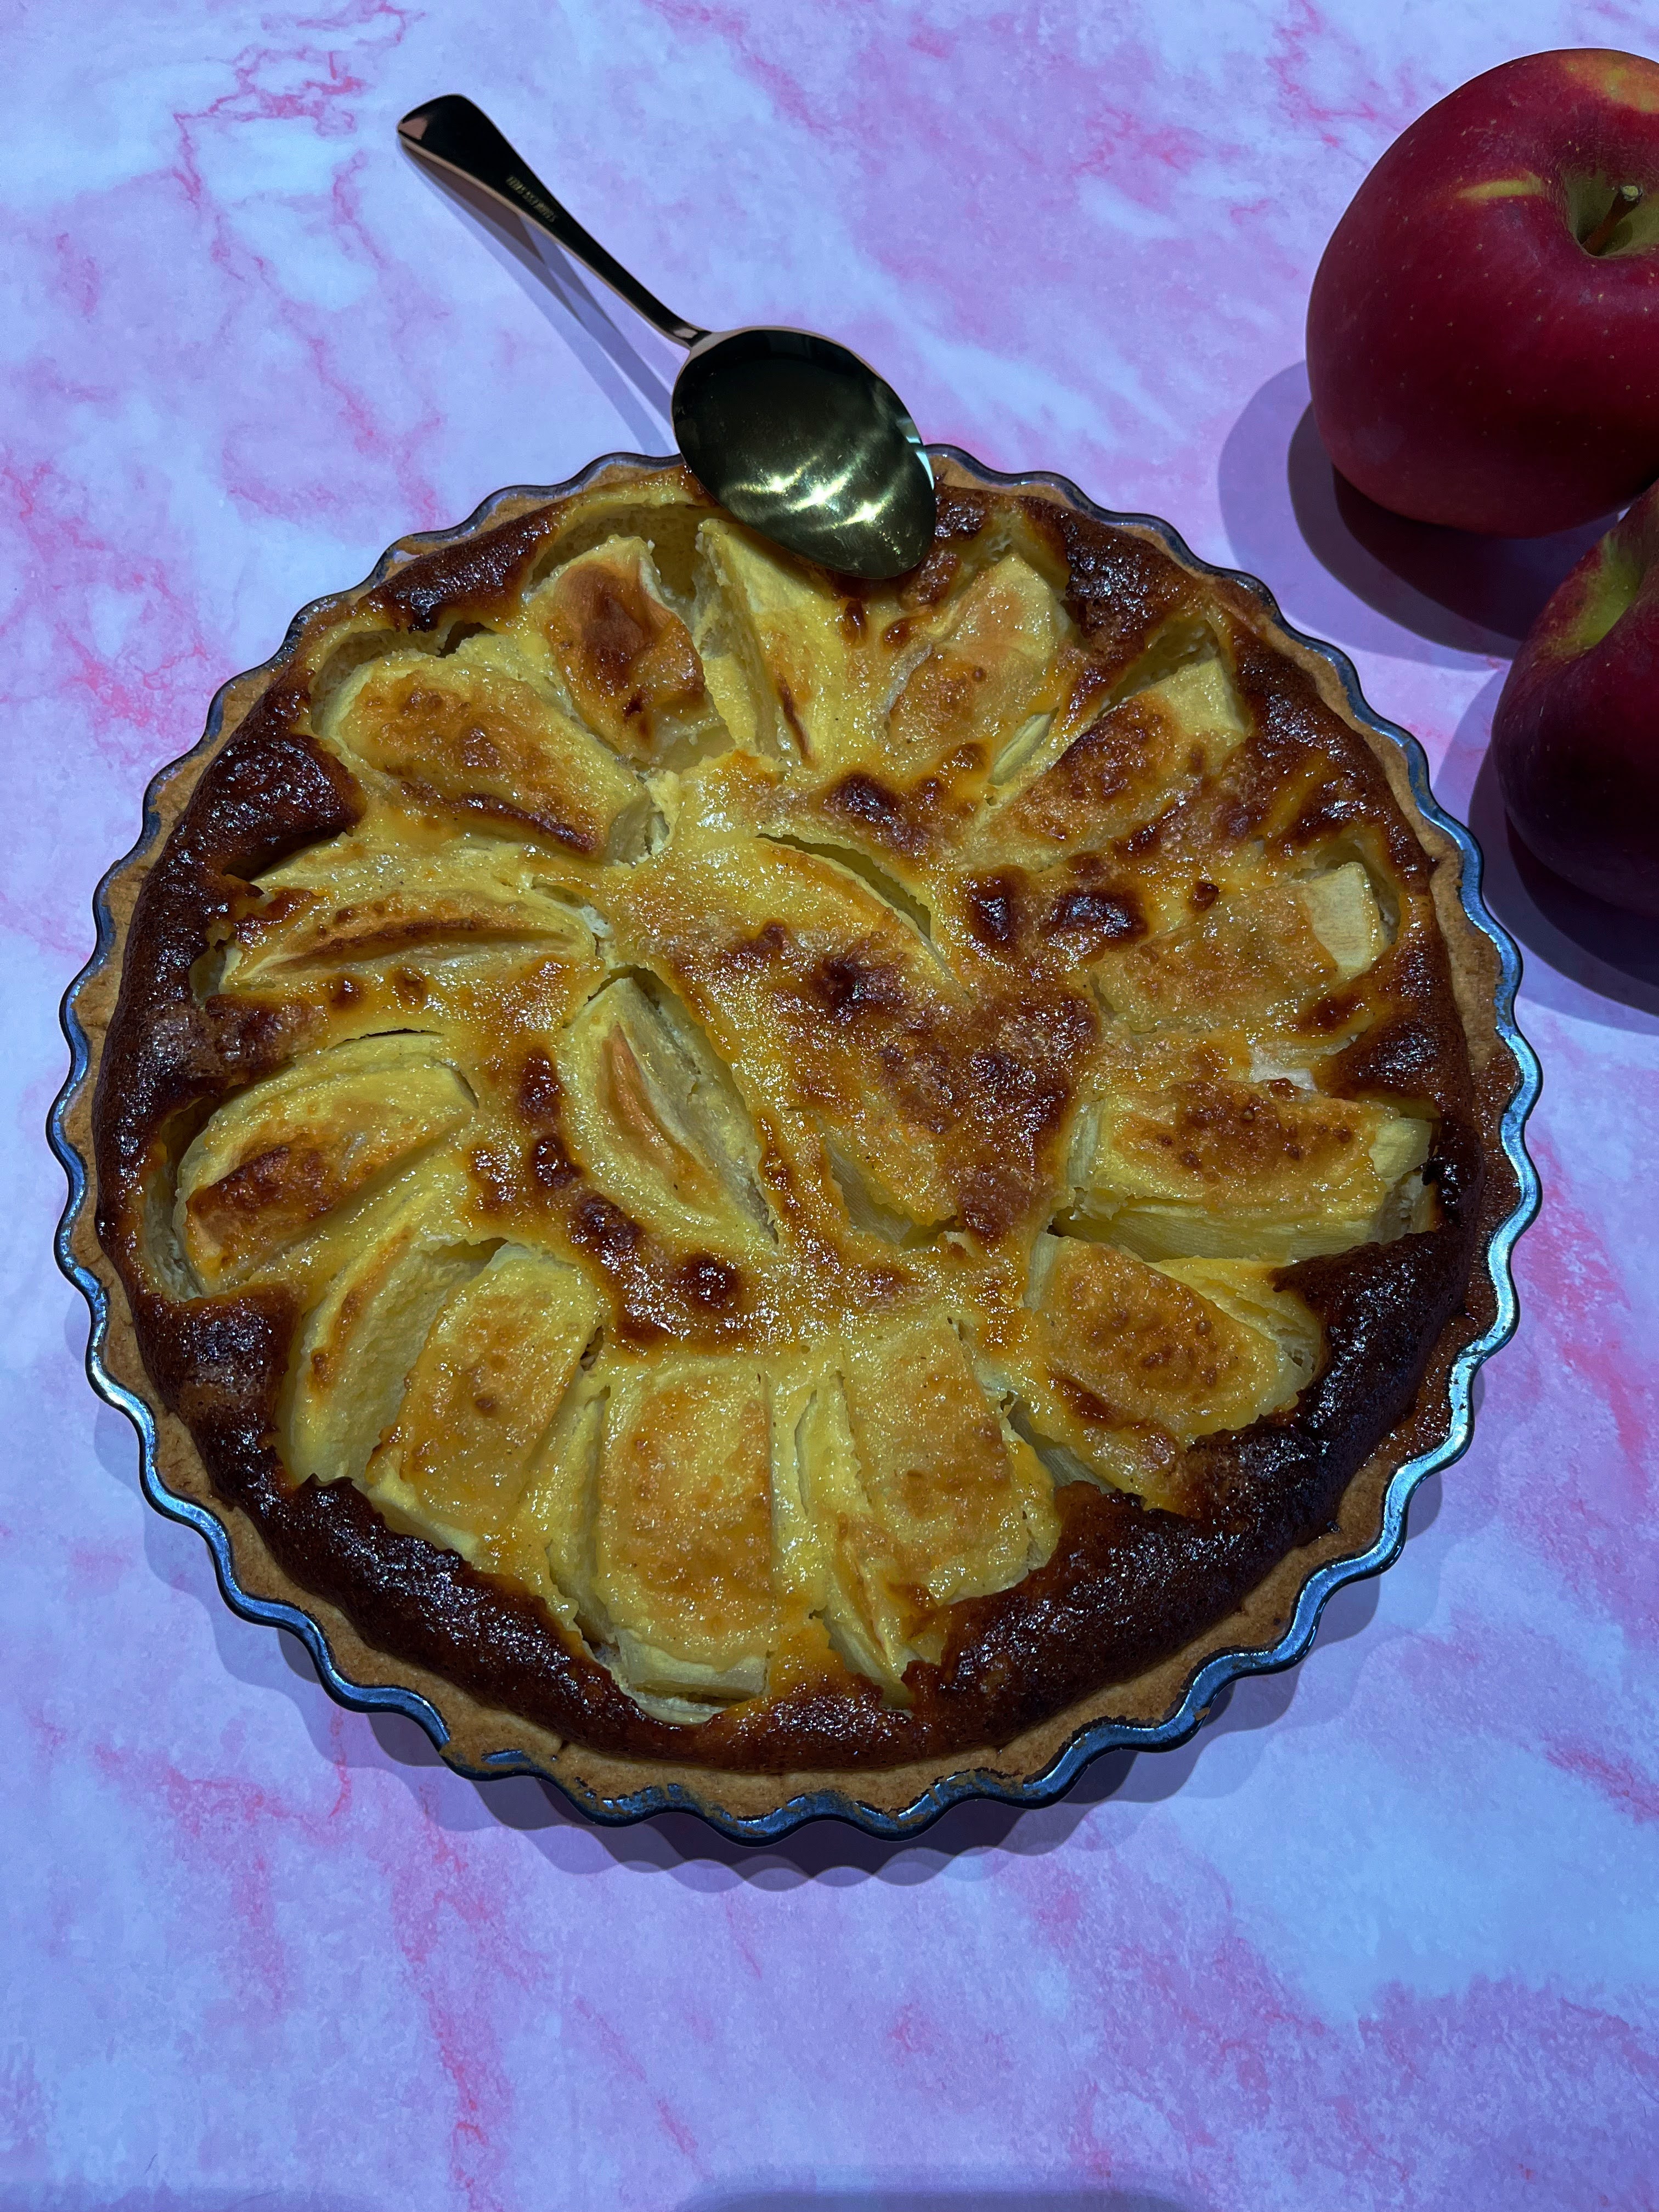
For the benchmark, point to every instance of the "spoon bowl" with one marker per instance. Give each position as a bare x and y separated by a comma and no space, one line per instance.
790,432
798,437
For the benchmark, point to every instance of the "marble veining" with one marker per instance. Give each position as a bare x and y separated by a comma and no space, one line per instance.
1383,1935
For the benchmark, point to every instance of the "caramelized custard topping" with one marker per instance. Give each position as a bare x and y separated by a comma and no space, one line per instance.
770,1080
763,1171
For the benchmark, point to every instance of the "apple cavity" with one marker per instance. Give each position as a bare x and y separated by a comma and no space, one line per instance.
1483,334
1576,736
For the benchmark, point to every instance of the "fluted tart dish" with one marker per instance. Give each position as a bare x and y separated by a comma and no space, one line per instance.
769,1193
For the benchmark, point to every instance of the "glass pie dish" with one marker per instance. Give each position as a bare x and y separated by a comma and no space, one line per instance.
789,1199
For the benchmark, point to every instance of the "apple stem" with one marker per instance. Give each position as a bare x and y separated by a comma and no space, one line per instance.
1623,201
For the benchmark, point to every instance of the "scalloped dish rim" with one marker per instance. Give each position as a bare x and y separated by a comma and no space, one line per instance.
1094,1737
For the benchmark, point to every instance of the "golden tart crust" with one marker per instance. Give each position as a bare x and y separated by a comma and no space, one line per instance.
721,1170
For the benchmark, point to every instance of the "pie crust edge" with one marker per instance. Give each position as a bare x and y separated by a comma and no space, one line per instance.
481,1736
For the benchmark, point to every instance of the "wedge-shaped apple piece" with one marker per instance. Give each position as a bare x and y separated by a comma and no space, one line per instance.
1122,768
744,712
624,657
682,1576
1227,1169
994,670
829,1008
554,1527
1245,1290
276,1161
470,937
811,664
907,1491
873,1208
658,1121
466,736
353,1354
1341,905
820,1514
1260,954
1201,700
664,511
962,1502
1129,1363
483,1393
375,903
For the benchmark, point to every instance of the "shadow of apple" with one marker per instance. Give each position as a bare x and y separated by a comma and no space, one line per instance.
1337,562
1583,956
1604,952
1347,570
1499,584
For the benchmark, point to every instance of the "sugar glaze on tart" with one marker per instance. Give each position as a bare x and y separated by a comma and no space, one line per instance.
764,1171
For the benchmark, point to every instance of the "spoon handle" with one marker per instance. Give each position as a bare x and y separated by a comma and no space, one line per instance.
455,134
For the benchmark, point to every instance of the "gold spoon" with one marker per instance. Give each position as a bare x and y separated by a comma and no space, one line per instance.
790,432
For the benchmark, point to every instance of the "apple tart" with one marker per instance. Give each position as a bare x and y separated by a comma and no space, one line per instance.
723,1169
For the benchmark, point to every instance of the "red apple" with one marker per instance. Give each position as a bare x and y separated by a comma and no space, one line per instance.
1483,336
1576,736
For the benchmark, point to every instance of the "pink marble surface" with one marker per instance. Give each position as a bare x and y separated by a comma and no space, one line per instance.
1385,1935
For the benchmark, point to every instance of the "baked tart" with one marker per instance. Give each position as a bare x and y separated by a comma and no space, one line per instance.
770,1192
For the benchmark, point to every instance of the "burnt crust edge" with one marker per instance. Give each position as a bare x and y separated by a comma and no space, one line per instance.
1333,1512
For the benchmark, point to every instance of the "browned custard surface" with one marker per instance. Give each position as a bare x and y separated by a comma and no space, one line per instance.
779,1173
